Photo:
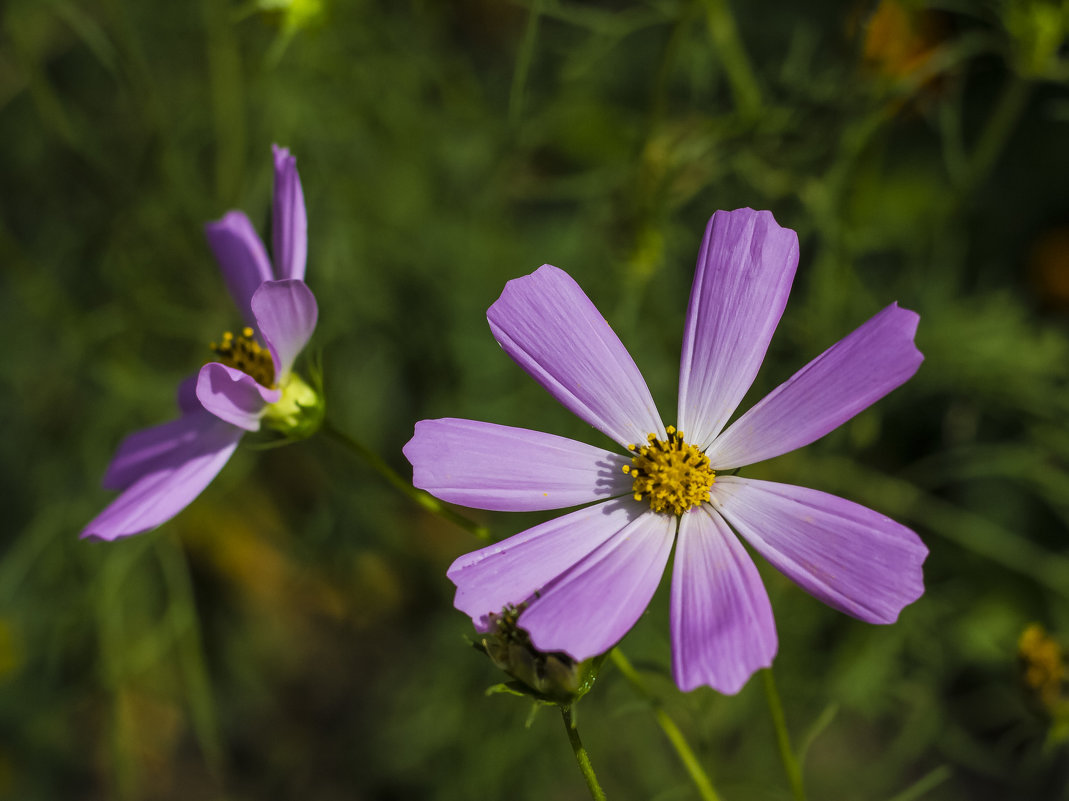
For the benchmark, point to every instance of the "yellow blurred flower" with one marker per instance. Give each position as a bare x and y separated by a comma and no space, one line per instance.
900,37
1049,268
1043,664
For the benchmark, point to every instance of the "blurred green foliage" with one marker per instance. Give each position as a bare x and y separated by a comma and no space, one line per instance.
291,635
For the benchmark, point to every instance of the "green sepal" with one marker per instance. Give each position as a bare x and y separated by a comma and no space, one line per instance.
549,678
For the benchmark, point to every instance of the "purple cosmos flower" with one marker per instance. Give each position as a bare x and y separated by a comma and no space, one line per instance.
583,579
160,470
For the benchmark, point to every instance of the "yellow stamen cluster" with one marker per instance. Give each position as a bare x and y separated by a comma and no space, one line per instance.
672,474
246,354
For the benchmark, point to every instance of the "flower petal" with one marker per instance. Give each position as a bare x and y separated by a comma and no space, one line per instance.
141,451
145,451
286,313
233,396
745,269
850,557
845,379
289,221
241,256
187,395
511,571
550,328
590,608
722,626
163,470
489,466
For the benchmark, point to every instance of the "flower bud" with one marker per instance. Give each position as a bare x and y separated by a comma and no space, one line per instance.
552,677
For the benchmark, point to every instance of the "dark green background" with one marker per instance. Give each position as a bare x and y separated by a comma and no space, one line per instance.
291,635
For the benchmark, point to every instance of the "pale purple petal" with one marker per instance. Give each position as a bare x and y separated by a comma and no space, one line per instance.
745,269
286,313
241,257
553,331
233,396
289,221
143,451
146,451
850,557
175,464
591,607
511,571
488,466
722,626
845,379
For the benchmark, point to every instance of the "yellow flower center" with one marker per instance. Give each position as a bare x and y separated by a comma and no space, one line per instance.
246,354
672,474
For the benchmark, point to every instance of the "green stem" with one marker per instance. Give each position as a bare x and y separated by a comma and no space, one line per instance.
227,94
997,130
424,499
664,68
925,784
668,726
783,737
111,633
189,644
523,63
733,56
581,755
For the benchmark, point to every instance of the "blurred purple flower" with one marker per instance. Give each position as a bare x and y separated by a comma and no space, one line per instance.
160,470
585,578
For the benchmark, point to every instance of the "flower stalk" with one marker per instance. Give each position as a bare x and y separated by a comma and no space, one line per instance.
674,734
424,499
783,738
581,756
732,54
997,131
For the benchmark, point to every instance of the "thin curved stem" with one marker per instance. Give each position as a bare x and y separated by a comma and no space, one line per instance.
581,756
189,644
732,54
424,499
523,63
783,737
668,726
997,131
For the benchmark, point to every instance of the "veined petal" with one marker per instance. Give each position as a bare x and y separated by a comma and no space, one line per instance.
143,451
241,257
845,379
745,269
163,473
289,221
850,557
488,466
149,450
590,608
286,313
722,626
511,571
233,396
550,328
